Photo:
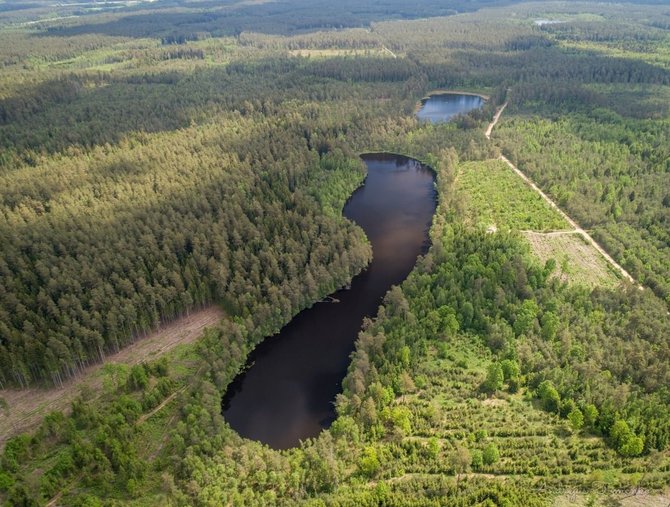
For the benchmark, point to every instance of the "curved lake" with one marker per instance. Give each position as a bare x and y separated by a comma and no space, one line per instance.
443,107
287,393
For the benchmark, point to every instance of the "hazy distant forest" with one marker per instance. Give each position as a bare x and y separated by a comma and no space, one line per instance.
160,157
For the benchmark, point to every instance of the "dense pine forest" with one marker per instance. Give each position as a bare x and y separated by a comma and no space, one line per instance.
157,158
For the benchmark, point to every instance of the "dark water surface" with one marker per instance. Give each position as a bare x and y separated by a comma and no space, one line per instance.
443,107
287,394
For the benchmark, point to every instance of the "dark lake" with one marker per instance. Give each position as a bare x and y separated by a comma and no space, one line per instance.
443,107
287,393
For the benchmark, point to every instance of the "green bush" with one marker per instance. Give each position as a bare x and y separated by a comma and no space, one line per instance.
491,454
6,481
576,419
138,378
477,459
369,463
551,400
494,378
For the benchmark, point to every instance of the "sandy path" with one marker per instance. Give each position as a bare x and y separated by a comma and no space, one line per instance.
27,407
389,51
496,117
572,223
160,407
550,233
551,203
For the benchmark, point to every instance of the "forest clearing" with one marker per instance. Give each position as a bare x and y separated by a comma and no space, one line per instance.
497,199
577,228
582,260
576,259
27,407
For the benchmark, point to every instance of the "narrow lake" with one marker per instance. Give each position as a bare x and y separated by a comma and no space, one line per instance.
443,107
287,393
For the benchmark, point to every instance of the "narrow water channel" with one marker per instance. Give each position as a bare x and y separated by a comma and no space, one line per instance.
287,394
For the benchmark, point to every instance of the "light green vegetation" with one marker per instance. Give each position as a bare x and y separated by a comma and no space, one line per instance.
576,259
25,409
475,374
494,196
609,172
600,34
659,54
329,53
449,408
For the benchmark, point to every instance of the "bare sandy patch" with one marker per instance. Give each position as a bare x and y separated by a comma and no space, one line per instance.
576,259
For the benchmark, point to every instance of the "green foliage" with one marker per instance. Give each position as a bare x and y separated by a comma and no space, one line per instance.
16,451
405,356
624,440
434,448
550,324
510,369
400,419
491,454
494,377
138,378
525,318
145,177
576,419
369,463
606,170
6,481
551,400
498,197
477,459
590,413
567,406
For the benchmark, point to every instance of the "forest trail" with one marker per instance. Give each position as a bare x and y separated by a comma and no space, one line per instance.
573,224
389,51
27,407
381,43
576,227
551,233
493,123
54,501
167,400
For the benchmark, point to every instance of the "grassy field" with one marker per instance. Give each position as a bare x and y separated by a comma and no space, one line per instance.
496,198
576,260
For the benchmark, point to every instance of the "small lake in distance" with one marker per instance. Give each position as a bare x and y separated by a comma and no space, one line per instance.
442,107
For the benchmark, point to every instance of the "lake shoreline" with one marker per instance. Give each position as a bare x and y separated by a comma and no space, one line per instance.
285,392
445,112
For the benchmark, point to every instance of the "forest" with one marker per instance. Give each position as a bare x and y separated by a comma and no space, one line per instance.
160,158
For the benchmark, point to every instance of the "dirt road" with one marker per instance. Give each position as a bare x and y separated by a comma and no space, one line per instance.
572,223
544,196
496,117
389,51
